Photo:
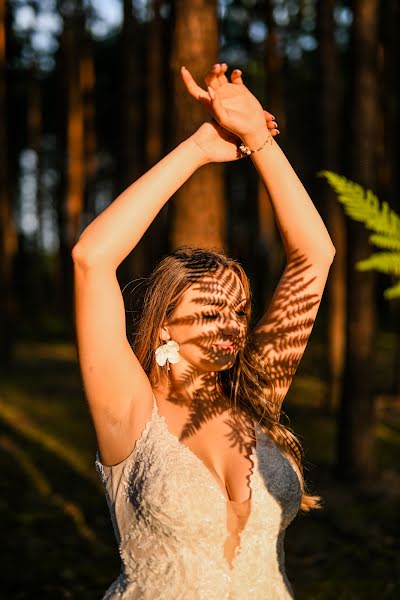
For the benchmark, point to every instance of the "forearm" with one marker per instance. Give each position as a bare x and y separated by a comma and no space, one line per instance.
111,236
300,225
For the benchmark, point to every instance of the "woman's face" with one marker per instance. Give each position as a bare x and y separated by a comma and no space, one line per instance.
210,322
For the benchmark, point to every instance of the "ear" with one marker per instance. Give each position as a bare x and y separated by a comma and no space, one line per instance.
164,334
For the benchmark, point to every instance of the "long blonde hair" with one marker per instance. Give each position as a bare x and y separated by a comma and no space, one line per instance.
247,383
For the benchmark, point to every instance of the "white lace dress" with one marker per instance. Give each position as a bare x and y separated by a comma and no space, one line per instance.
170,520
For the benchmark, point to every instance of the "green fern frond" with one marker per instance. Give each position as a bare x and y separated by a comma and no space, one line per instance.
392,292
363,205
387,243
384,262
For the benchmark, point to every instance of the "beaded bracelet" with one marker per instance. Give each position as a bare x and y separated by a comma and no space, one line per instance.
246,150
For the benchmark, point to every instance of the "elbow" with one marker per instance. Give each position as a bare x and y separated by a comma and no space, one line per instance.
84,259
331,253
80,257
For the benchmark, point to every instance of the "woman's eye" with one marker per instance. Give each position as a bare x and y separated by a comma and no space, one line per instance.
211,316
241,313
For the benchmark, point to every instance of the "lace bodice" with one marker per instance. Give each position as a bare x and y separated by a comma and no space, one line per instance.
170,521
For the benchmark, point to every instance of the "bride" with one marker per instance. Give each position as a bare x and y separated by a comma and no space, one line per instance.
200,476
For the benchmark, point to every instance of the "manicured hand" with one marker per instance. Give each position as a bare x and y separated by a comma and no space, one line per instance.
231,104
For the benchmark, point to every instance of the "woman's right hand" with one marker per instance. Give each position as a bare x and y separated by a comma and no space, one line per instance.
232,105
219,145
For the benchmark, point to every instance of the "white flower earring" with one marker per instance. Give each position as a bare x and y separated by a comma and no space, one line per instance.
167,353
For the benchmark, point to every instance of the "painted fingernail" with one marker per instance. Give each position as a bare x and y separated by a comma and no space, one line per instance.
275,124
277,131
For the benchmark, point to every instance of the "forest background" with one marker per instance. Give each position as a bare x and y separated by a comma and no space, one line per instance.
90,98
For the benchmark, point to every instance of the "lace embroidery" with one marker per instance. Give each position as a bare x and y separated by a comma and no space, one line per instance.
170,519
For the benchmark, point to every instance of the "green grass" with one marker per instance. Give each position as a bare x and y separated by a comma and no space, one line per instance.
57,533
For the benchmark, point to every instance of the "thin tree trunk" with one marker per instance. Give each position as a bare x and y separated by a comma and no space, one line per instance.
270,249
132,154
356,448
35,274
198,207
70,213
8,240
87,80
329,118
75,134
390,156
156,238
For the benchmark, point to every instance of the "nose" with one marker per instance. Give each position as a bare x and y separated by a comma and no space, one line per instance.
230,325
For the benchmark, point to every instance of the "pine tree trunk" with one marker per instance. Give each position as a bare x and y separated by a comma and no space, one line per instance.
356,448
71,212
156,238
198,207
330,113
8,240
87,80
132,157
270,253
390,159
35,276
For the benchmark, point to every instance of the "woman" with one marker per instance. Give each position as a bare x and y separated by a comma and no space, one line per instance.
200,477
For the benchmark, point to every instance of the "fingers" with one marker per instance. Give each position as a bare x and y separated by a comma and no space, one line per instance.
268,116
211,78
217,108
222,79
194,90
236,76
271,123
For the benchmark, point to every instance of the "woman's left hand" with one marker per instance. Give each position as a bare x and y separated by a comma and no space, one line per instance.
220,145
217,143
231,103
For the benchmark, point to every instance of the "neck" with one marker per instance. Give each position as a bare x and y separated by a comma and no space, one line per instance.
194,390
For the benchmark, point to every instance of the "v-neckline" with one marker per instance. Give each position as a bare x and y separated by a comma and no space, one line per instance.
199,461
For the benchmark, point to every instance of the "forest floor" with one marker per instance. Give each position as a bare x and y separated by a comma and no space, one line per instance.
57,535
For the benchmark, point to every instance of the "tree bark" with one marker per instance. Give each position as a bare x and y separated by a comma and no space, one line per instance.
132,131
270,254
8,239
156,238
71,210
389,184
198,213
330,113
356,448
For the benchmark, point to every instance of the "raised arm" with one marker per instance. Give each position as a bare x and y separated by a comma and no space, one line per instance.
116,387
282,333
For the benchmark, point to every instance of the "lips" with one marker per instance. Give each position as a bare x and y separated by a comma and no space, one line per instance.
224,346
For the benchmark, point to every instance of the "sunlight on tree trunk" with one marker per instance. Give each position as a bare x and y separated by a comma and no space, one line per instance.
198,207
75,132
329,118
271,249
132,92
